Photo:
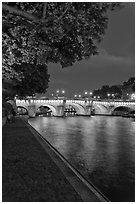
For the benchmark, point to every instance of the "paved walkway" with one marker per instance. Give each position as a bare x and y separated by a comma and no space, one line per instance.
29,173
34,171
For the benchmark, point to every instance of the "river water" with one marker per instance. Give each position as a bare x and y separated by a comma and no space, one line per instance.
102,148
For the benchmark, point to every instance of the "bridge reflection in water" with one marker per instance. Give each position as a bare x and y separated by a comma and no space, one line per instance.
102,148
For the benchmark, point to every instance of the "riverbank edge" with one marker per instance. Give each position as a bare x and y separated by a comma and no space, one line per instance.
28,172
87,192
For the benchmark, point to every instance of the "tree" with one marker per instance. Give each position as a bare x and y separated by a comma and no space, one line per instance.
34,80
129,84
58,32
105,90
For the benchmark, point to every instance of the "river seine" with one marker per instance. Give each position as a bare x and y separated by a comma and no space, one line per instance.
102,148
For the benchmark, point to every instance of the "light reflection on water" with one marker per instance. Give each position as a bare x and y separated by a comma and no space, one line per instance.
101,148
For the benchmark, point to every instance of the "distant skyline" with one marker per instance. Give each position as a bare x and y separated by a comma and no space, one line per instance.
114,64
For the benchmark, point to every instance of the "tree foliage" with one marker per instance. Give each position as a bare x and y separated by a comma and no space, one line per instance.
43,32
104,90
130,83
34,80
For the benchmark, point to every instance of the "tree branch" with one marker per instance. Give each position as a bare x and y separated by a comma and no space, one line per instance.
44,10
13,38
20,13
63,14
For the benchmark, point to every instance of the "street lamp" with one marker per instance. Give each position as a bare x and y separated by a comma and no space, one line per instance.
63,92
94,96
57,93
86,92
79,96
98,97
132,96
75,95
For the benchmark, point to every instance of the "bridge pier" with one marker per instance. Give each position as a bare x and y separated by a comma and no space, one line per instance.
88,110
32,111
60,111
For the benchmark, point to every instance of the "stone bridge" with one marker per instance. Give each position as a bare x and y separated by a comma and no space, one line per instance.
82,107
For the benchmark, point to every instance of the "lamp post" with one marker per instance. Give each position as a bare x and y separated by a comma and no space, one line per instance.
90,93
86,92
108,95
63,93
113,96
57,93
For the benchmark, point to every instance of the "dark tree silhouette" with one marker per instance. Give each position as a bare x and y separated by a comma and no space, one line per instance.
58,32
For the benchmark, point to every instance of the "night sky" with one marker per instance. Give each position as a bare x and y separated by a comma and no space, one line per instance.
114,64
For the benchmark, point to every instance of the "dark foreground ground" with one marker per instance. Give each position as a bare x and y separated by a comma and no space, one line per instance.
28,172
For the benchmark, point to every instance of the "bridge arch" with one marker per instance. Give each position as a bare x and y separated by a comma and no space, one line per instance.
22,108
100,109
52,108
80,110
122,108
